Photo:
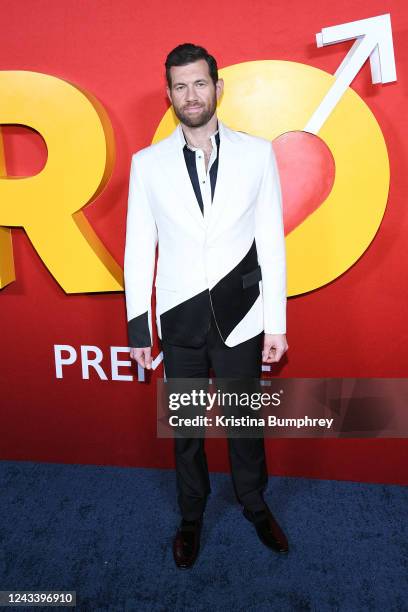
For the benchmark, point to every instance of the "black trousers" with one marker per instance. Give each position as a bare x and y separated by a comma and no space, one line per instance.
247,455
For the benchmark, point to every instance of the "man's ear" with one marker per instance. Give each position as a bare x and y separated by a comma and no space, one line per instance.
169,94
219,88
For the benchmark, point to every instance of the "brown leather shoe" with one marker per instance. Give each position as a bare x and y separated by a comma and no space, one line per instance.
186,543
268,529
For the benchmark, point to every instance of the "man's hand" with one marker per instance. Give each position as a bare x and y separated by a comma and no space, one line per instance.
143,356
275,346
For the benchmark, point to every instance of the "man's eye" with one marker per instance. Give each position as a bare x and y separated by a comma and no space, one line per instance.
179,87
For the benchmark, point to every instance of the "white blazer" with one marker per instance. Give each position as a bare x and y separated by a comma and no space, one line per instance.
231,262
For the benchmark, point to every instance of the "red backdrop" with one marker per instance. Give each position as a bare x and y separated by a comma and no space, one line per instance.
355,326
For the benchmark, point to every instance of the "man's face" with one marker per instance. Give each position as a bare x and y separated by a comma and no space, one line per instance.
193,93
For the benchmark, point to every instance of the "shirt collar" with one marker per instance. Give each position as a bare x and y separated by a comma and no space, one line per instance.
215,138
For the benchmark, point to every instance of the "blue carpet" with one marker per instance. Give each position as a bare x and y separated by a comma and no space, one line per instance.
106,532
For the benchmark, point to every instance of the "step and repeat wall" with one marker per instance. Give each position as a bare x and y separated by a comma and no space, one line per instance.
82,87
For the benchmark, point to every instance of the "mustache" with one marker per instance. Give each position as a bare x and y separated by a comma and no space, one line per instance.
192,105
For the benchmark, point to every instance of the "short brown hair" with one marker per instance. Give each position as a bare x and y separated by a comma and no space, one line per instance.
188,53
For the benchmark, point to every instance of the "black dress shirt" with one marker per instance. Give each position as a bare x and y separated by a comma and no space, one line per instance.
190,156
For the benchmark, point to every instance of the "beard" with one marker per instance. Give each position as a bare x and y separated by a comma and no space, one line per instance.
198,119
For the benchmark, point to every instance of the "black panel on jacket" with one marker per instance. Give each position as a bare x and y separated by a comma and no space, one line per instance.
230,299
138,331
187,323
252,277
235,294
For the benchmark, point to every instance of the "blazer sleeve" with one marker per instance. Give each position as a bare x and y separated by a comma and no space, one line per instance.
270,243
139,260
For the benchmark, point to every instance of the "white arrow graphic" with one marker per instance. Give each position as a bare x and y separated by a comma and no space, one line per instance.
373,40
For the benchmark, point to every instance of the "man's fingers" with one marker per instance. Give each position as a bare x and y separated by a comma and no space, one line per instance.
272,357
148,358
278,354
265,355
273,353
143,356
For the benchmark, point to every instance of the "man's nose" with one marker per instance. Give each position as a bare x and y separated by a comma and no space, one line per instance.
191,94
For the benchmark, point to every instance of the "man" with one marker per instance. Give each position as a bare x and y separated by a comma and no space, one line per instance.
210,198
